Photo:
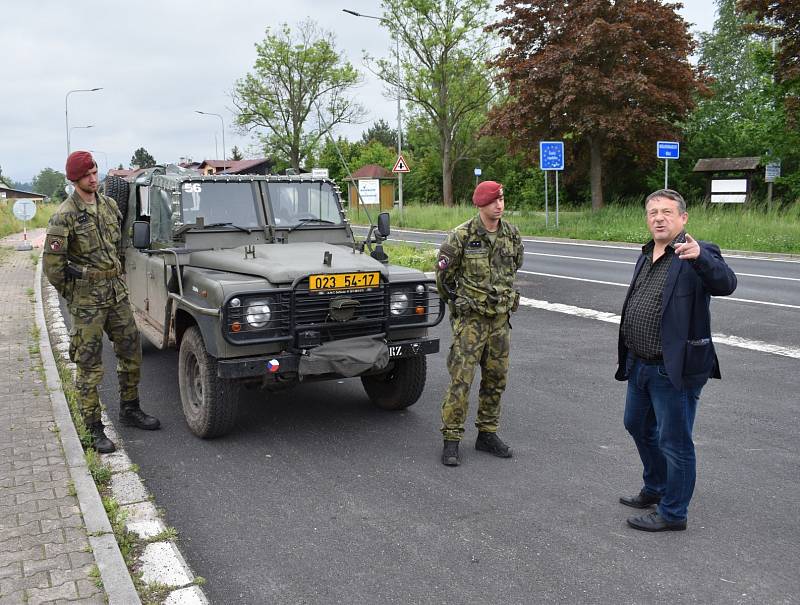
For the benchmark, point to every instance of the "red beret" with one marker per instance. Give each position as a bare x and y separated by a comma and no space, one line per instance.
486,192
79,163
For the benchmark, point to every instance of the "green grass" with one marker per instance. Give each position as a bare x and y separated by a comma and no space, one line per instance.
406,255
9,223
731,227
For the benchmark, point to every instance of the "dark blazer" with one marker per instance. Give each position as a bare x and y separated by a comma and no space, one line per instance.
689,356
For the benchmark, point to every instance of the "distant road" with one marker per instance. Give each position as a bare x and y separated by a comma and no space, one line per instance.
765,307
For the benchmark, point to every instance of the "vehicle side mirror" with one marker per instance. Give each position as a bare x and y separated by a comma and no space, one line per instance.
383,224
141,235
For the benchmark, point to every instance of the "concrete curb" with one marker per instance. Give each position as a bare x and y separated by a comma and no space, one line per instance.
117,581
161,562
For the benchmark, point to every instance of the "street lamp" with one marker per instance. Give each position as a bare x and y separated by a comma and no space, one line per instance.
66,108
399,115
105,155
74,127
208,113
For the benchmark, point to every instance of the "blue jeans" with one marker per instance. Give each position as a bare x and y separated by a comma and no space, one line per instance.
660,418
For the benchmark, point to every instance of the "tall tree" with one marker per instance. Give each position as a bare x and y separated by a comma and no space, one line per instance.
606,75
381,132
296,75
734,118
142,159
779,22
443,53
51,183
236,154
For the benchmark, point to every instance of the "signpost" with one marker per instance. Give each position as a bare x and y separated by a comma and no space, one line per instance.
551,157
772,172
24,210
667,150
319,173
478,173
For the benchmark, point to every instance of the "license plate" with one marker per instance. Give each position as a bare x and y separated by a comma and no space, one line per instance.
343,281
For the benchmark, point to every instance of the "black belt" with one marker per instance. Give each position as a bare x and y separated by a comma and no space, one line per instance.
650,362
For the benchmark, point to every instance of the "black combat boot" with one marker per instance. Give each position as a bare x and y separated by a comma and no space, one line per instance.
490,442
450,455
130,414
100,442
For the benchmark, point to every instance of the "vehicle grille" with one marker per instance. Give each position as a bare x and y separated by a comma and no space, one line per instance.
359,313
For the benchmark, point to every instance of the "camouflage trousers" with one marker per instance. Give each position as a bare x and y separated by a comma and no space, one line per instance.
477,340
86,351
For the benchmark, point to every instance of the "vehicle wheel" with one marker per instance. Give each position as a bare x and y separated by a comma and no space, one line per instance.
118,189
399,387
209,402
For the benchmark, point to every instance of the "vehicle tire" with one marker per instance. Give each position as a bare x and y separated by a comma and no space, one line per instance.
118,189
210,403
399,387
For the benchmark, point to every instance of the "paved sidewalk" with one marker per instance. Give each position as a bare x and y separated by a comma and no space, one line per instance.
46,553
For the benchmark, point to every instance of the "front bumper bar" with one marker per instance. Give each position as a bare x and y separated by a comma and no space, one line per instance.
288,363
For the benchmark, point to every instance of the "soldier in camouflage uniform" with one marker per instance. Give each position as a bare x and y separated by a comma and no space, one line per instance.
475,276
81,259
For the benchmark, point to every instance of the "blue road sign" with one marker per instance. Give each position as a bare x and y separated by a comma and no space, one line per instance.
551,155
668,150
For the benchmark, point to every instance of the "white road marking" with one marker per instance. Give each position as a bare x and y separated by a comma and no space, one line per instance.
733,341
589,245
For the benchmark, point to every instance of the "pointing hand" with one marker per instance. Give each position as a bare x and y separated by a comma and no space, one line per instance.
689,250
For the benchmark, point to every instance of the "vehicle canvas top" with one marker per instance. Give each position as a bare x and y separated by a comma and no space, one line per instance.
283,264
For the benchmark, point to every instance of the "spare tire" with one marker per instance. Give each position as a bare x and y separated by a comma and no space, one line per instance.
118,189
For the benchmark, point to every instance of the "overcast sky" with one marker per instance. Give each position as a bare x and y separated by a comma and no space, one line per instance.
157,62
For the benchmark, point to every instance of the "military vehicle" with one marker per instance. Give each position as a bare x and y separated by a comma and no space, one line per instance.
260,281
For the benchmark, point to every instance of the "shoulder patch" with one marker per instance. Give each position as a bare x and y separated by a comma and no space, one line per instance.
58,230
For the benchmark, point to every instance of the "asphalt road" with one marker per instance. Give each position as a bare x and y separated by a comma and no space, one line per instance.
317,497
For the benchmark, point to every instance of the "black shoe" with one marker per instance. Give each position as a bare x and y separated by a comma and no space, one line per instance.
100,442
450,455
655,522
130,414
490,442
641,500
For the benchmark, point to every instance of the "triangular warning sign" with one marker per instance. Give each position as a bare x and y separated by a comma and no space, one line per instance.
400,165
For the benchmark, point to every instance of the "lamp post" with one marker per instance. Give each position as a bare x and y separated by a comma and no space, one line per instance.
74,127
105,156
399,115
66,108
208,113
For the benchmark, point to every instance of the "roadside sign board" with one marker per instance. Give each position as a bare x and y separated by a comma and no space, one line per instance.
400,165
319,173
551,155
24,209
369,191
478,172
668,150
772,172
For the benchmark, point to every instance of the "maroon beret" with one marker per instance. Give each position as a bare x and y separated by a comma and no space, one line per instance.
79,163
486,192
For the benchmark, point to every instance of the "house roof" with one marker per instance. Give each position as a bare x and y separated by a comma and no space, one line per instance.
372,171
33,193
726,164
233,166
240,166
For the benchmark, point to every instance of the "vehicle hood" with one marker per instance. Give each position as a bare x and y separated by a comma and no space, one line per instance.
283,263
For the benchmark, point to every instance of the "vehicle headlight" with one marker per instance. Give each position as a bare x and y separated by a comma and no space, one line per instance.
258,313
399,303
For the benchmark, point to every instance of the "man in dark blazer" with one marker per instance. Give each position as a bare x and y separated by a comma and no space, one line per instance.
666,355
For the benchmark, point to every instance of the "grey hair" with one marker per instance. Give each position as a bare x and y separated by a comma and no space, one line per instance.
670,194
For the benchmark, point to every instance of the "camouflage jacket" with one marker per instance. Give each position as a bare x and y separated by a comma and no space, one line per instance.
472,273
82,252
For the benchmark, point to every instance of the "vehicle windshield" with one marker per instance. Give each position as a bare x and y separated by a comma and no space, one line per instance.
220,203
293,204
